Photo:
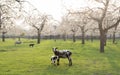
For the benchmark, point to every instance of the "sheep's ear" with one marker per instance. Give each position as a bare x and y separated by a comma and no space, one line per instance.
54,49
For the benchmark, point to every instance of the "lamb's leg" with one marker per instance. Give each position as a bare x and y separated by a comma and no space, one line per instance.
58,61
70,61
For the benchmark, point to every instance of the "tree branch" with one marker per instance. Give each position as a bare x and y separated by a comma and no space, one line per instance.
35,27
114,25
96,19
105,10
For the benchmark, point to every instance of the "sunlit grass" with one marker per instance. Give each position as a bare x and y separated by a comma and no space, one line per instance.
87,60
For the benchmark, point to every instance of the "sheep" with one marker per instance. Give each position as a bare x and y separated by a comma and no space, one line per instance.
31,45
62,54
18,42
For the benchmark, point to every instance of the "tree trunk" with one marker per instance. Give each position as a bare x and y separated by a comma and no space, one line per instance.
102,41
0,21
91,38
3,36
38,37
74,39
55,38
113,37
64,37
114,40
19,39
105,42
50,37
83,37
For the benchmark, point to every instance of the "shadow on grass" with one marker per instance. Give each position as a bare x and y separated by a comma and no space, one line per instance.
3,50
58,70
6,50
113,58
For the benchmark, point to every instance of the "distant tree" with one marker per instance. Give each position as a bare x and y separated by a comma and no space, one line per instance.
38,22
74,29
92,35
114,32
63,29
82,21
69,26
7,14
72,25
64,32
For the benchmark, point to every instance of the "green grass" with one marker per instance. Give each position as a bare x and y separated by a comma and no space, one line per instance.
87,60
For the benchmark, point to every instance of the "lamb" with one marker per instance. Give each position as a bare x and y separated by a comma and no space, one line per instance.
31,45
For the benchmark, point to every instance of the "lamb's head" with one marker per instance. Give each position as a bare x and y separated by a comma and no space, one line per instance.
53,59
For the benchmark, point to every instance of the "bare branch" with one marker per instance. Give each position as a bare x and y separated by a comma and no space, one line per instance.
86,29
101,8
35,27
105,10
96,19
114,25
103,3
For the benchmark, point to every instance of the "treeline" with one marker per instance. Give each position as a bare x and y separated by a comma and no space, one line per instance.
57,37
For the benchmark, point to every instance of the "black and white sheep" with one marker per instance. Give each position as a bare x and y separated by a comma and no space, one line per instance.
61,54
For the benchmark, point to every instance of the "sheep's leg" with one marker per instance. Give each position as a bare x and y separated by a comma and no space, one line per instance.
70,61
58,61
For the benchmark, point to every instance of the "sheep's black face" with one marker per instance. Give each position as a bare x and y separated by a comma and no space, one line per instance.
53,59
54,49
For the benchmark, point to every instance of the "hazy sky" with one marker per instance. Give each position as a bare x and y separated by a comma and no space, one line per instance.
56,8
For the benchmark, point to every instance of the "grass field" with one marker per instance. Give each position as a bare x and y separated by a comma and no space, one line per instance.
87,60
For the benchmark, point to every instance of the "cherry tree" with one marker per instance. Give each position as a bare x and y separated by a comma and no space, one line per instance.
107,9
8,9
38,22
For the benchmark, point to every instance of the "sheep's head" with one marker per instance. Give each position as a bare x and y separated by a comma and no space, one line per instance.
54,49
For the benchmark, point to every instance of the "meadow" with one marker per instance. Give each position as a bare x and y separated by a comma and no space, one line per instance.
87,60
